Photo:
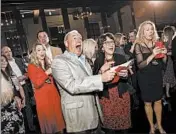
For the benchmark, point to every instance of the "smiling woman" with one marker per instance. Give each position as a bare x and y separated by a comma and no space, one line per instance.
115,98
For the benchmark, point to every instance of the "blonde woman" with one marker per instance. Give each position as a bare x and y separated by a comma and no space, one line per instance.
90,48
48,103
150,72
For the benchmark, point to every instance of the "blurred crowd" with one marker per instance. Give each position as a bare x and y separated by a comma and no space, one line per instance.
79,91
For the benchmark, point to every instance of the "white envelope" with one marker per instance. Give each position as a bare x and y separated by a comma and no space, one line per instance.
126,64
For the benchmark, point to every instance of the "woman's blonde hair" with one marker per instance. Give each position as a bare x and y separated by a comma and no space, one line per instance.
140,34
34,60
6,91
118,37
89,47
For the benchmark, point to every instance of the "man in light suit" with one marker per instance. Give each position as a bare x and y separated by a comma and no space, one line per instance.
51,51
73,76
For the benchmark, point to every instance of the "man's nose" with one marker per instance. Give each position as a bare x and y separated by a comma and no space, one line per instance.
79,40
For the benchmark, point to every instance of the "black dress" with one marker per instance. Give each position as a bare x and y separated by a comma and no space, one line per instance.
149,76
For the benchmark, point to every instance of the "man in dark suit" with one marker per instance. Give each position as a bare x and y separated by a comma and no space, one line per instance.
129,50
19,70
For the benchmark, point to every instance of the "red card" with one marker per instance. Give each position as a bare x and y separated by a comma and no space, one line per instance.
116,78
160,45
121,68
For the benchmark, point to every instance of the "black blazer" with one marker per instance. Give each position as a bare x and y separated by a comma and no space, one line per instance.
123,85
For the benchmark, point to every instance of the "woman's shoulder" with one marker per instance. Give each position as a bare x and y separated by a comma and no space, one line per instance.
138,46
32,66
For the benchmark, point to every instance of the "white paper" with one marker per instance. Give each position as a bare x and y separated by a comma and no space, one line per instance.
126,64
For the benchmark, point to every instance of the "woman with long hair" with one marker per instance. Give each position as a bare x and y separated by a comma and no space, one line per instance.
169,80
150,72
48,103
90,48
114,98
11,117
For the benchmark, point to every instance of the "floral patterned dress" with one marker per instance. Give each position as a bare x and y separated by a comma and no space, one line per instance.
116,110
11,119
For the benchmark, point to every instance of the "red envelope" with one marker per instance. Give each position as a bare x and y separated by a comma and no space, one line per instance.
116,78
121,68
160,45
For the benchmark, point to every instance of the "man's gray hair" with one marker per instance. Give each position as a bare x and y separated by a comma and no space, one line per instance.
73,31
3,47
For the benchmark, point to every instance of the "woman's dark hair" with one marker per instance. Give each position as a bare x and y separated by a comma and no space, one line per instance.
103,38
8,70
41,31
169,32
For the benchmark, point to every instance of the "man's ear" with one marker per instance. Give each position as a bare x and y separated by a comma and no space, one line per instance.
66,44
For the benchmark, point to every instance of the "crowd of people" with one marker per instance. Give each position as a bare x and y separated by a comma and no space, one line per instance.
79,92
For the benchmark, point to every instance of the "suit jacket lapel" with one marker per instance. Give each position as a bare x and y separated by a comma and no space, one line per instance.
86,68
89,69
52,51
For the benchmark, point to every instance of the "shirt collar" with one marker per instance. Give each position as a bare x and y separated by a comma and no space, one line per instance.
13,60
82,57
48,47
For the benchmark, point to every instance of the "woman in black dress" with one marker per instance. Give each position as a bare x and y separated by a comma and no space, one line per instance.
150,72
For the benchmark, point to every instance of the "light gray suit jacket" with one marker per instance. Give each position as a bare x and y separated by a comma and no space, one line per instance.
76,85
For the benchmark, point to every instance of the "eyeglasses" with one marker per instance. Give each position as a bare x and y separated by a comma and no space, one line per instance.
109,42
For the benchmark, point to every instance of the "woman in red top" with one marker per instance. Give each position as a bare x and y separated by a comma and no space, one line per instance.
47,97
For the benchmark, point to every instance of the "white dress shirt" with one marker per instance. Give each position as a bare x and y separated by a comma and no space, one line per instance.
48,52
16,69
